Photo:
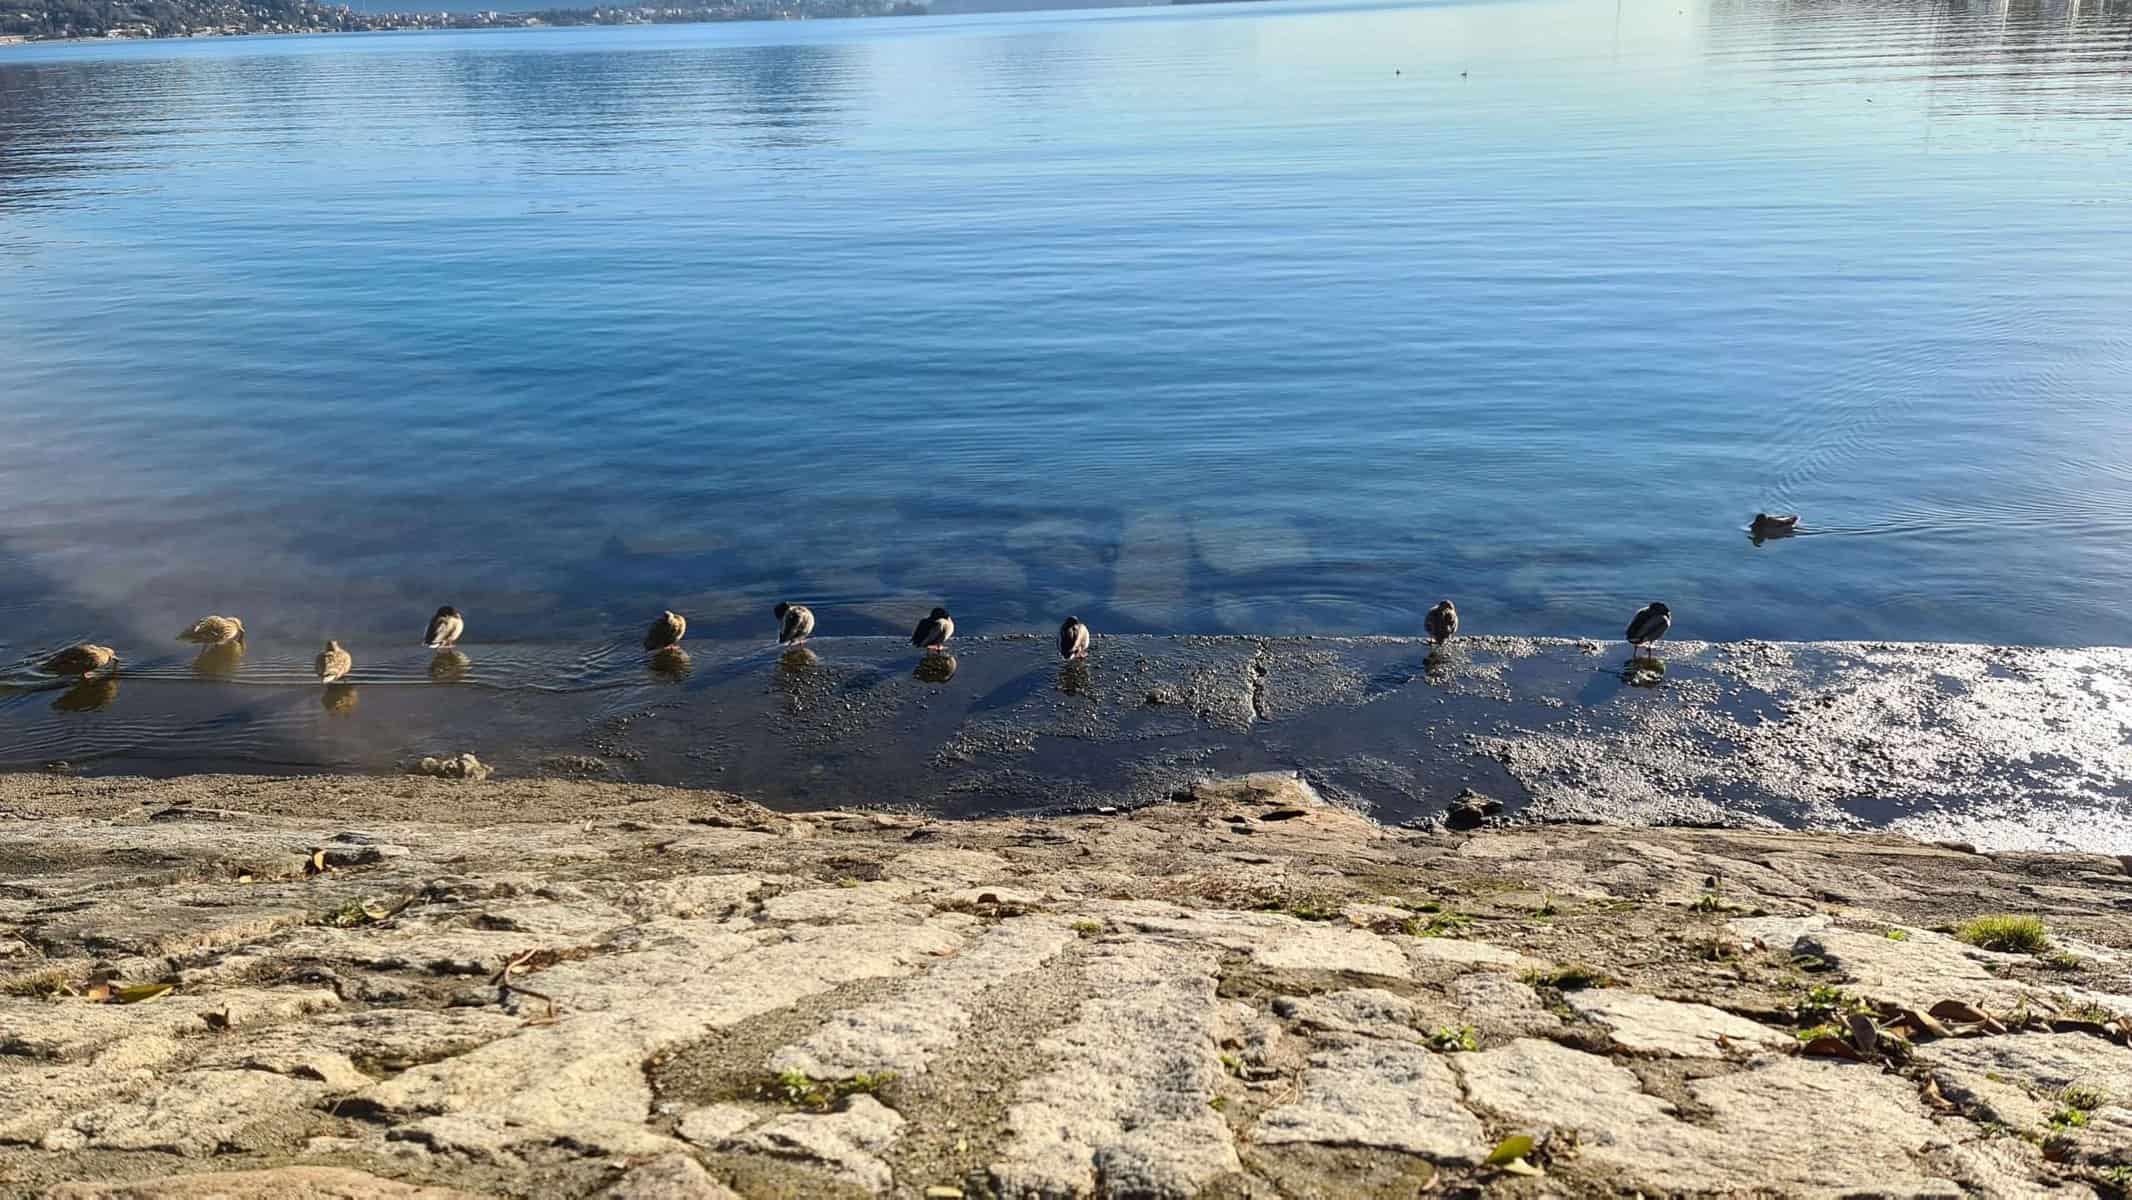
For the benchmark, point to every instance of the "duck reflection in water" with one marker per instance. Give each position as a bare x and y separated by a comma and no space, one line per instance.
1074,679
937,666
338,698
219,661
798,661
670,664
90,695
449,666
1646,671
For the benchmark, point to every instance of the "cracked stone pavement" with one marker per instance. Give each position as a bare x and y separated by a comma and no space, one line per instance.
549,989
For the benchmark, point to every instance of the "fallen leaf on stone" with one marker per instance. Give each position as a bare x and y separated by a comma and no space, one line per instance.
217,1021
1518,1166
943,1192
1829,1047
98,993
1509,1150
1956,1011
1921,1023
317,865
138,993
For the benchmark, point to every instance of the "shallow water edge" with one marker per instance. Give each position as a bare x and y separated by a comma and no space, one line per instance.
2004,747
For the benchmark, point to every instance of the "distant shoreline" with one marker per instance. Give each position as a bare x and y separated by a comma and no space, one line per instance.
305,18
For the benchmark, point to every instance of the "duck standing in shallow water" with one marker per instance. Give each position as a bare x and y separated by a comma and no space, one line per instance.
794,623
668,630
1648,625
933,632
333,663
214,631
1073,639
444,629
83,660
1442,622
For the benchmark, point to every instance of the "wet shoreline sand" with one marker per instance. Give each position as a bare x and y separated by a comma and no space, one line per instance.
2003,747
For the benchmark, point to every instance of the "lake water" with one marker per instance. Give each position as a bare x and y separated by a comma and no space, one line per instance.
1243,318
1273,318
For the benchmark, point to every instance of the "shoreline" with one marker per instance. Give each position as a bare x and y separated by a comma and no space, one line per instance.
2001,747
385,985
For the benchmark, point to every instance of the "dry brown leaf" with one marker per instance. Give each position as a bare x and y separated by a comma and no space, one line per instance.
1829,1047
141,993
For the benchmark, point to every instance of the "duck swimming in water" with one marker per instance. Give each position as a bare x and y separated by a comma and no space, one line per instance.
444,629
333,663
933,632
1773,525
213,631
82,660
1649,624
1442,622
1073,639
794,623
668,630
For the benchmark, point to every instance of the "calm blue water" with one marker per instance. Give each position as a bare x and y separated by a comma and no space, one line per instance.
1285,317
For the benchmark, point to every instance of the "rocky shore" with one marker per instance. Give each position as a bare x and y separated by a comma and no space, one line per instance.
418,987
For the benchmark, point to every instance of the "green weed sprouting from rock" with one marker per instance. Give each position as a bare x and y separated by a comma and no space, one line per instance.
351,915
1898,935
2069,1118
1823,1001
1440,925
2063,960
802,1090
1709,902
1451,1040
1569,977
1088,928
2008,932
1815,1032
2083,1097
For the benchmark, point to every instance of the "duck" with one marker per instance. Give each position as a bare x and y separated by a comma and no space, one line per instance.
333,663
1649,624
213,631
444,629
794,623
933,632
1768,525
668,630
1073,639
82,660
1442,622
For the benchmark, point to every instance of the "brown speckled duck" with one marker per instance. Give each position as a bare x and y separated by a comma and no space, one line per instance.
795,623
213,631
333,663
668,630
1442,622
82,660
